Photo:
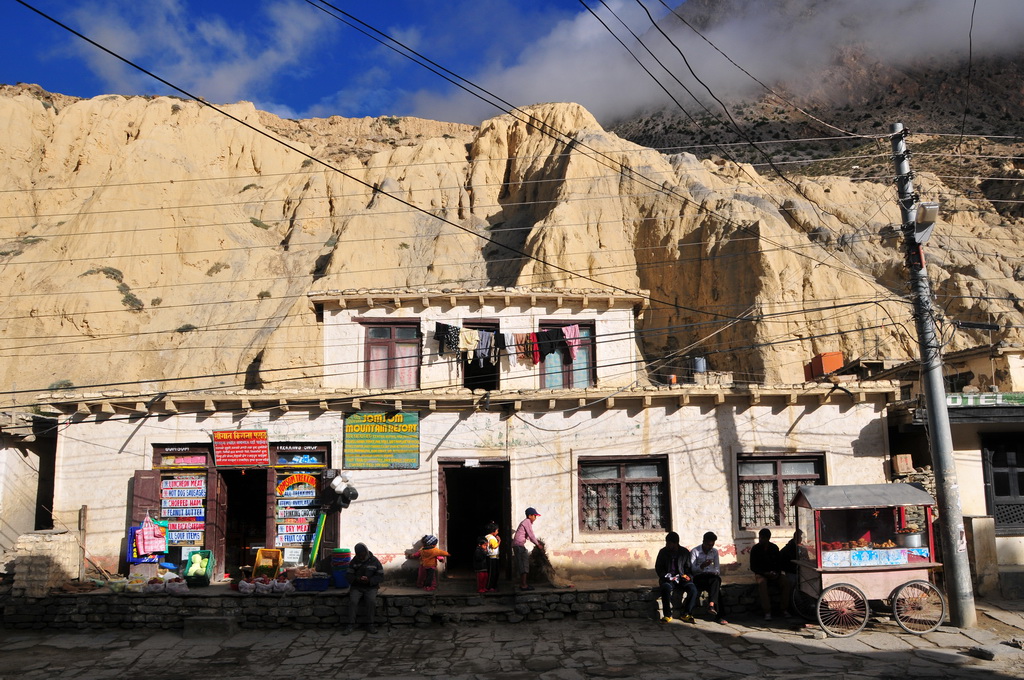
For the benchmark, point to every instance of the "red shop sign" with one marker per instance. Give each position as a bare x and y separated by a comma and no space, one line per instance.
241,447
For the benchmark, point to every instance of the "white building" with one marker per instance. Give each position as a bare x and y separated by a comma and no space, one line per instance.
433,446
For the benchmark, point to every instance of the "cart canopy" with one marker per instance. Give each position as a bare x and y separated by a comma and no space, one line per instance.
860,496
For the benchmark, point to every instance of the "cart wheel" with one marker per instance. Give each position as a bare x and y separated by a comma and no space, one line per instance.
803,604
842,610
918,607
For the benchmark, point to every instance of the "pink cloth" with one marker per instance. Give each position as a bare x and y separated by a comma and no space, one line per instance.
572,339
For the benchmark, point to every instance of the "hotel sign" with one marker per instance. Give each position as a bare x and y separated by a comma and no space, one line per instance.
382,441
985,399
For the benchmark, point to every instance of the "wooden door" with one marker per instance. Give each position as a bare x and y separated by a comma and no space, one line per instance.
216,518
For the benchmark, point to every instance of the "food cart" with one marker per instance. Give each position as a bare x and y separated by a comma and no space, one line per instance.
867,542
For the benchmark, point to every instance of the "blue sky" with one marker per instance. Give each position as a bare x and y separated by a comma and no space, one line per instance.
284,55
296,61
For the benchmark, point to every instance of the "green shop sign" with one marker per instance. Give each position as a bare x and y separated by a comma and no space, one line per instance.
382,441
985,399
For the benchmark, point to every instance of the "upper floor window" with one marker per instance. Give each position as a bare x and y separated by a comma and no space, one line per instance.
561,370
480,373
392,355
767,484
623,495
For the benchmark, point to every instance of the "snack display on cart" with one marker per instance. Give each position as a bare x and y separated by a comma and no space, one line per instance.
866,542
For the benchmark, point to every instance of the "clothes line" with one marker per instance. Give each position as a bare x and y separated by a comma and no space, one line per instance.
487,346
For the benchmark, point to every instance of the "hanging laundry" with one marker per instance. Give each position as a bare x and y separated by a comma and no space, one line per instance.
548,341
572,339
468,340
483,347
511,351
522,344
499,344
534,349
447,337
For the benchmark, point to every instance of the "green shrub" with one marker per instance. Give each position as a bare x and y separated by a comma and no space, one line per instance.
61,385
218,267
185,328
259,223
109,272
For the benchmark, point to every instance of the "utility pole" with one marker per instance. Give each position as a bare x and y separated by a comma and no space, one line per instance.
916,230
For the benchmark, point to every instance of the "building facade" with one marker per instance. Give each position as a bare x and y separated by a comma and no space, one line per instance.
438,440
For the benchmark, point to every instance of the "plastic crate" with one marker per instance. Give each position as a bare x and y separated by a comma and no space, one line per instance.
205,576
316,583
268,562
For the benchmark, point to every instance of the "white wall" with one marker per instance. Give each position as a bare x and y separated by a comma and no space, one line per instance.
96,460
616,353
19,478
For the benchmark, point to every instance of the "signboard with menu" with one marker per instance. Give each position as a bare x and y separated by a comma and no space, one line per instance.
183,505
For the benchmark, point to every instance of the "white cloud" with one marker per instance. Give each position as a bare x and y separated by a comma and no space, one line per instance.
202,53
577,60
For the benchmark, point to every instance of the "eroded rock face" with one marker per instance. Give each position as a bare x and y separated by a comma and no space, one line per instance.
155,244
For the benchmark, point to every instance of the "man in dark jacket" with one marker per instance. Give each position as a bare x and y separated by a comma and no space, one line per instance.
365,574
767,567
675,579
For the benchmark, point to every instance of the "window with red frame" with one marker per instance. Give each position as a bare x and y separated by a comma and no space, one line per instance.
393,355
560,372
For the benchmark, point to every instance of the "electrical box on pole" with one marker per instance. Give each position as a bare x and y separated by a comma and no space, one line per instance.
918,222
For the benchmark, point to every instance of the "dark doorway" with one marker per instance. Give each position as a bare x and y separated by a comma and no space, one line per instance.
470,498
246,523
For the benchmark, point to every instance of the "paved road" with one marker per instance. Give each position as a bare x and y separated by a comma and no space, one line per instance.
550,650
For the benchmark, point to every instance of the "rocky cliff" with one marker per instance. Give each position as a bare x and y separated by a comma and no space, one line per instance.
154,244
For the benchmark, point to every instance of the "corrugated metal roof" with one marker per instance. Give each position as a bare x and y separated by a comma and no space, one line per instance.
860,496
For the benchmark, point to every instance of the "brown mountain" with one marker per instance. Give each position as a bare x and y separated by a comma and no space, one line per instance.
152,244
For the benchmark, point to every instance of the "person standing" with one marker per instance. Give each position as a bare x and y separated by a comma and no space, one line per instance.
365,574
707,573
480,564
674,579
521,554
767,567
429,555
493,552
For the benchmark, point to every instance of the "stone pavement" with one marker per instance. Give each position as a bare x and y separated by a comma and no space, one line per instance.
550,650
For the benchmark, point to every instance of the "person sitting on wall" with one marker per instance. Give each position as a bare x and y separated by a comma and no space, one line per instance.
520,552
674,579
790,553
767,567
365,574
706,572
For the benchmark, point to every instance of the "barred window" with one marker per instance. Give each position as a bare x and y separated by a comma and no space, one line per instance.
623,495
767,485
1004,481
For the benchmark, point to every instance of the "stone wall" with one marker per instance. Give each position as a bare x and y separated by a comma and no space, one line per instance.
102,609
45,560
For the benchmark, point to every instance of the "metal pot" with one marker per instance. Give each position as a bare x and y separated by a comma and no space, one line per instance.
909,540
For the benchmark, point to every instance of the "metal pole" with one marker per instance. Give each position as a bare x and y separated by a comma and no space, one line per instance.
951,526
